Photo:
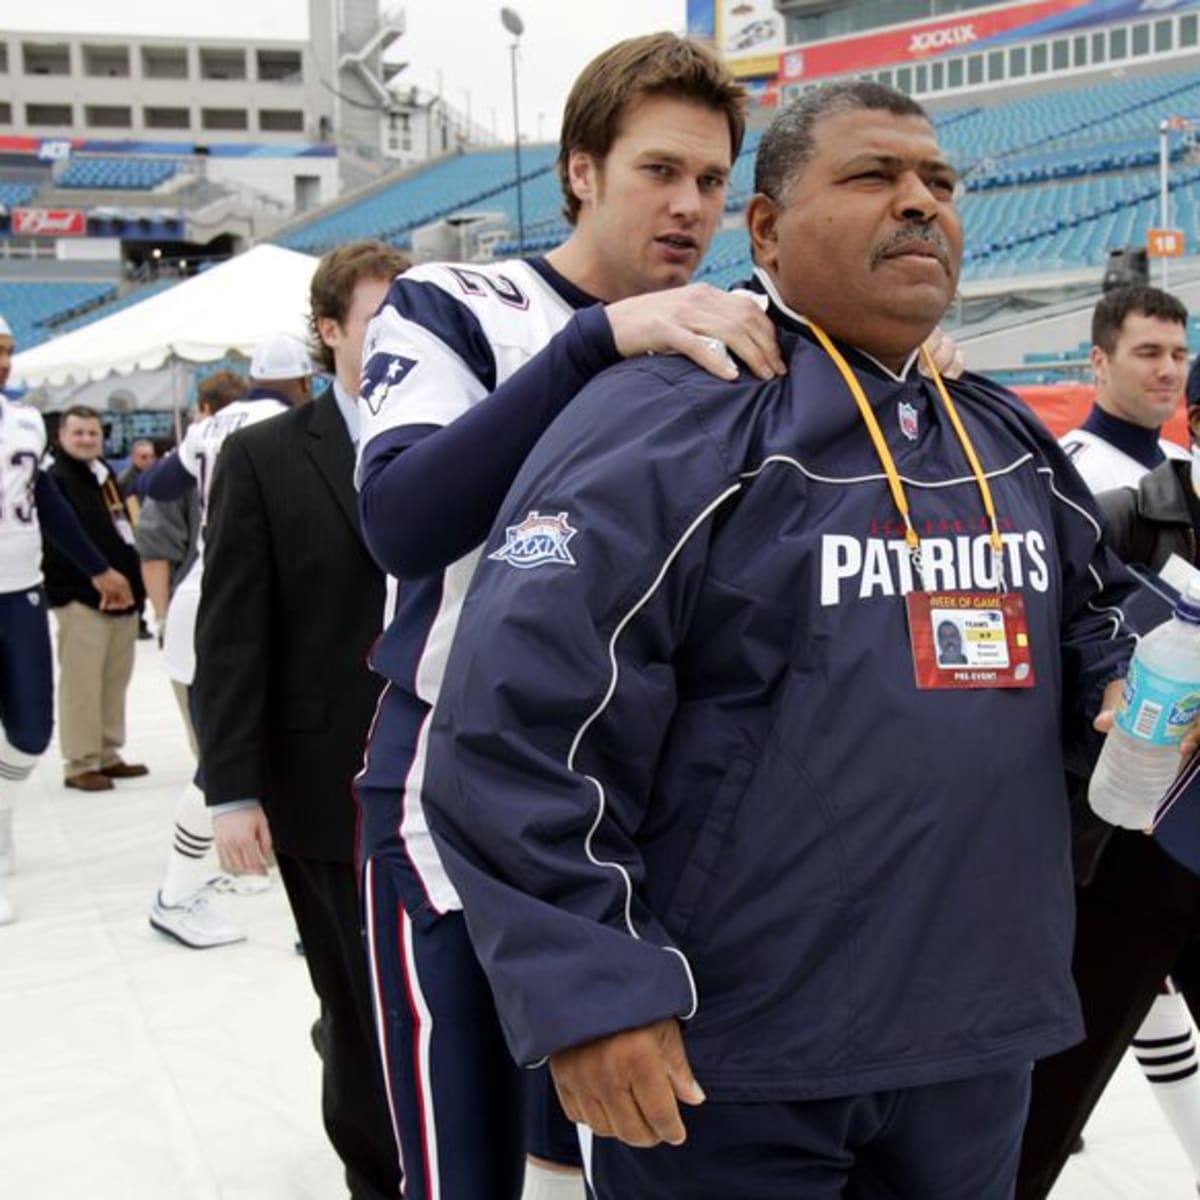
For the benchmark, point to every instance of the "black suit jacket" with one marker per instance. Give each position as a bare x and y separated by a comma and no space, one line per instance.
290,605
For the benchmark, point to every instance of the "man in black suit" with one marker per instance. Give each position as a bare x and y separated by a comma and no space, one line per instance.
291,604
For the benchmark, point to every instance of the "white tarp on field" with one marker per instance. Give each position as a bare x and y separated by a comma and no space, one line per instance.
230,307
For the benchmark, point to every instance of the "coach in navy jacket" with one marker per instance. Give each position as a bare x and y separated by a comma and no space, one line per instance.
681,771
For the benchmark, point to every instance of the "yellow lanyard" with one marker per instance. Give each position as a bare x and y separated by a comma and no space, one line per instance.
889,464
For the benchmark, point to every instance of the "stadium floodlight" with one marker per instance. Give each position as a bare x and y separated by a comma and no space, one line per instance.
511,20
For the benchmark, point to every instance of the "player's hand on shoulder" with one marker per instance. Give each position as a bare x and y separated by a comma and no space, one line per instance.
243,838
628,1085
946,354
114,589
687,320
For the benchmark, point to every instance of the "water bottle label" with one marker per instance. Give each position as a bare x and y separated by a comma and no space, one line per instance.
1153,708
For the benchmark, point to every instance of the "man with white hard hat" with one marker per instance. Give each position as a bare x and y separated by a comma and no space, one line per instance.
280,378
281,368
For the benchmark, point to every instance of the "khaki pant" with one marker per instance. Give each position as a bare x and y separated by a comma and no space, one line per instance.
95,658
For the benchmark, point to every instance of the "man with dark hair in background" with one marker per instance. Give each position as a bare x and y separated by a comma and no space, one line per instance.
142,456
95,643
291,604
1136,962
1139,356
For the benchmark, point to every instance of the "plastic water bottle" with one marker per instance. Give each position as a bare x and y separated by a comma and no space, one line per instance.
1161,699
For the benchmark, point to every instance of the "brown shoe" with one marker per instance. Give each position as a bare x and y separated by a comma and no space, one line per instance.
124,770
89,781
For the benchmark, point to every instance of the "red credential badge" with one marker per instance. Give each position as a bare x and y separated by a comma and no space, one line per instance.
969,640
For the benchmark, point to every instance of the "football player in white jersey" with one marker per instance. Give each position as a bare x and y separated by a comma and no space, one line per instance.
650,133
281,376
31,506
1140,359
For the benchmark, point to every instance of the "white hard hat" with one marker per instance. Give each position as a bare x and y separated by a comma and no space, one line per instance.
5,328
280,356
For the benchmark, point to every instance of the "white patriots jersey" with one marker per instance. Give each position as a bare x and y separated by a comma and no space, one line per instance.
416,374
446,337
22,447
201,445
1102,465
198,452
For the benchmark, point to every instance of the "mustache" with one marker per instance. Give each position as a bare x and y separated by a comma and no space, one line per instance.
911,234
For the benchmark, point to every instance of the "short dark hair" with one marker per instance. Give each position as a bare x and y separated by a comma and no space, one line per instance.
219,389
1108,317
82,411
788,141
335,279
658,64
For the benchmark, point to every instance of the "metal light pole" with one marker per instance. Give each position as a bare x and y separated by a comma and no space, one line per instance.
1164,190
512,22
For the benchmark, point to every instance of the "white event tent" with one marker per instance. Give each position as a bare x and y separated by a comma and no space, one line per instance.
137,357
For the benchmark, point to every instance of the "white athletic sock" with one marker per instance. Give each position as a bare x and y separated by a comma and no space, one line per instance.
1165,1046
15,768
188,868
541,1184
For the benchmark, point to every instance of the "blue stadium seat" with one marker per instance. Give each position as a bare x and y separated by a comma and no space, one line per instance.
122,174
29,307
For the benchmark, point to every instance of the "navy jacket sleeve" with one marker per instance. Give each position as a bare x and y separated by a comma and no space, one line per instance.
420,509
558,696
167,479
60,524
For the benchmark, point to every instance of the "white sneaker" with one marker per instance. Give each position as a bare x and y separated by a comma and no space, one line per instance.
194,923
240,885
7,914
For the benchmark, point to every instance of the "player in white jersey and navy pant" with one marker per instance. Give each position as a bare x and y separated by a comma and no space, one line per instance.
31,506
464,368
281,376
1139,355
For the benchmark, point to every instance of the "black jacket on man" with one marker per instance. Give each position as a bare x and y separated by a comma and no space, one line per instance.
290,604
97,506
1149,523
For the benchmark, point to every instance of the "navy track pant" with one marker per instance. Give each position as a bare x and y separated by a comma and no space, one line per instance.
950,1141
26,671
453,1090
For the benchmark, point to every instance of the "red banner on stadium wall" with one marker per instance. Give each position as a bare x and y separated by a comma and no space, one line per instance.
914,43
1065,406
49,222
